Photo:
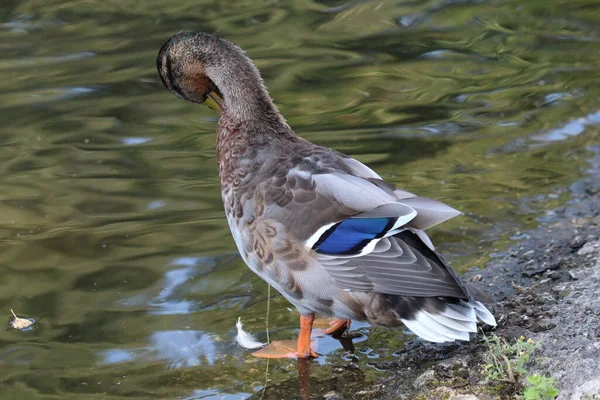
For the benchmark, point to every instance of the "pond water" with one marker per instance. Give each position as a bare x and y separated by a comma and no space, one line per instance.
112,234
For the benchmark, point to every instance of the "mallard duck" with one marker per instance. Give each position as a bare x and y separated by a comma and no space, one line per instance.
323,229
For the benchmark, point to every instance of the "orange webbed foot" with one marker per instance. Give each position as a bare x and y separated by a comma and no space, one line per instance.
289,348
278,349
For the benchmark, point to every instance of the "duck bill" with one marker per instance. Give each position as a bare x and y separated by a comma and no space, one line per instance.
213,101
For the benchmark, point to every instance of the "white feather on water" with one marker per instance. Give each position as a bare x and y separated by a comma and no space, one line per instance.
245,339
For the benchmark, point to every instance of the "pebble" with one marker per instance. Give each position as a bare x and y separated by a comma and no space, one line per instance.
423,379
575,275
528,254
577,242
454,362
589,248
546,325
332,395
554,275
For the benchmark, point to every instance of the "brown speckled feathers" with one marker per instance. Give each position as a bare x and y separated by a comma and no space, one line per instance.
322,228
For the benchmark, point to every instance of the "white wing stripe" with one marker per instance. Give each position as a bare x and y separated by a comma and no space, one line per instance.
310,242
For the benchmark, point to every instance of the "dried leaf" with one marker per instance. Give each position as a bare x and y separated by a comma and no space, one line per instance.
20,323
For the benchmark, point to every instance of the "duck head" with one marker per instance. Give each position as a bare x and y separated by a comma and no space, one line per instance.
181,64
202,68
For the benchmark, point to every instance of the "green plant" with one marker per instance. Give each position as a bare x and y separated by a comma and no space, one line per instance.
542,388
503,360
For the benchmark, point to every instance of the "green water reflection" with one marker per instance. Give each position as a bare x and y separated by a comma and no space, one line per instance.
111,229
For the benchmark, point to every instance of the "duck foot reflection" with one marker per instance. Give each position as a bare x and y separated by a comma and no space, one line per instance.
344,336
337,325
304,378
304,383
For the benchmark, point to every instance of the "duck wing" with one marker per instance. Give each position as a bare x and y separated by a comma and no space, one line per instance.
384,248
369,237
367,234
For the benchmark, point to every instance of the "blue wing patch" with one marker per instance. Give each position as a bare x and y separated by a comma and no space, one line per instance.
352,235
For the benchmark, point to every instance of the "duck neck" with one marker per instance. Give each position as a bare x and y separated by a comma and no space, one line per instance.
249,118
239,140
252,114
246,99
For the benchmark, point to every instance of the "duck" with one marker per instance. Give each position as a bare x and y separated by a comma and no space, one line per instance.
322,228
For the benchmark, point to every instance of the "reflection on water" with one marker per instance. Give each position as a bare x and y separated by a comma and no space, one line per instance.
111,227
178,349
571,128
188,275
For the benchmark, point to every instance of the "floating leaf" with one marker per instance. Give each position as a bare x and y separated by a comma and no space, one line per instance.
20,323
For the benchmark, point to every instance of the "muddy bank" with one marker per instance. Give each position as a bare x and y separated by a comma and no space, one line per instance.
546,287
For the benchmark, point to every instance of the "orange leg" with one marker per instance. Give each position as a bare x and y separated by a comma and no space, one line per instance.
304,349
289,349
336,325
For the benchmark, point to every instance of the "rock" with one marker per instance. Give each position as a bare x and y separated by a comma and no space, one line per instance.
364,393
576,243
544,325
590,390
545,267
531,264
460,361
529,254
332,395
445,392
576,275
589,248
425,378
554,275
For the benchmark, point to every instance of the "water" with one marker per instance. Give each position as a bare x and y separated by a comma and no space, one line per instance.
112,233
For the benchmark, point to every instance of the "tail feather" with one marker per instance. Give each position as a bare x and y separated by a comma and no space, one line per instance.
438,324
421,331
460,311
456,324
484,314
454,321
437,317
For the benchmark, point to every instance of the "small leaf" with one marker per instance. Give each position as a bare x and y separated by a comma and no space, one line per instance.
20,323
